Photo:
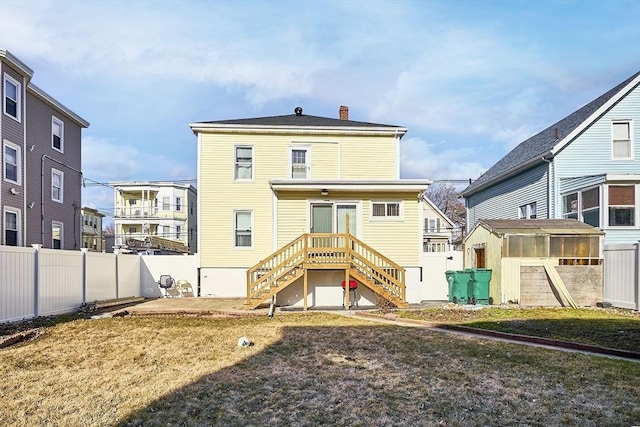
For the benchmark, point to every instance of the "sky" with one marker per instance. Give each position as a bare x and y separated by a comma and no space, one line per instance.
470,79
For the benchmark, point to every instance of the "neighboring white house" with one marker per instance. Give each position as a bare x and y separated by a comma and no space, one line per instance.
438,232
155,217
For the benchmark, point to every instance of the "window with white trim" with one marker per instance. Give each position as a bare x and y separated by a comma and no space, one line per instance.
433,225
12,163
583,205
299,157
243,158
178,204
12,101
528,211
57,185
57,134
178,231
11,227
242,228
56,235
622,206
381,210
166,203
621,143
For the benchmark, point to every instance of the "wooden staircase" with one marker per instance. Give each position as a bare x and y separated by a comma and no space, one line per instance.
326,251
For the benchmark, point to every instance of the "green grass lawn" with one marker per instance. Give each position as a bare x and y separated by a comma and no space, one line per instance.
612,328
304,369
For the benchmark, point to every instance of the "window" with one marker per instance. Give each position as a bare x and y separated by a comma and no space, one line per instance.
12,163
133,202
583,205
242,229
56,235
621,205
57,185
300,162
178,203
178,230
57,134
166,203
528,211
386,209
243,163
570,206
433,225
621,147
12,92
11,227
133,230
191,207
591,207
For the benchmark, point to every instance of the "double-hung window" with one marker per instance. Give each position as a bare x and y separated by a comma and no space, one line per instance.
11,227
57,185
242,229
300,162
178,204
57,134
178,231
12,163
243,158
621,143
621,205
12,91
390,210
166,203
56,235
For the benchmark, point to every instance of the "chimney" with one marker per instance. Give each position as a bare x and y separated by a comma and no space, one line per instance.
344,112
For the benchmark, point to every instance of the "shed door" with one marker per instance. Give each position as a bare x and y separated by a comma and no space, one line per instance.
481,257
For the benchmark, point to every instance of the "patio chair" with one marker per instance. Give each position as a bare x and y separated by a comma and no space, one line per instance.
184,288
167,287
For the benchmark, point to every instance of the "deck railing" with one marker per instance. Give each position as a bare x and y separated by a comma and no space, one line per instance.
325,251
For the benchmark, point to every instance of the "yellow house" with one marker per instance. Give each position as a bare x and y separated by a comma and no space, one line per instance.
292,206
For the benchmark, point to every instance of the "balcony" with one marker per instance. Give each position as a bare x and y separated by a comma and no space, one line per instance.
136,212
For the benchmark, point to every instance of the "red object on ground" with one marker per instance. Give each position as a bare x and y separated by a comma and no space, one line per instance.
352,284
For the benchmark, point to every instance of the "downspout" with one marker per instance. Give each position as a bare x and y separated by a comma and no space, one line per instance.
549,195
42,191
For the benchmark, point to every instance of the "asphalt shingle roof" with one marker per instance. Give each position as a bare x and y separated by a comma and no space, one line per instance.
299,120
546,140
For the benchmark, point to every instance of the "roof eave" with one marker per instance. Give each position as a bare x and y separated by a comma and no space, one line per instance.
16,63
57,105
508,173
348,185
234,128
595,115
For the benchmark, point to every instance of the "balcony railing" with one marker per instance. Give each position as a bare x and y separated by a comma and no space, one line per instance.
137,212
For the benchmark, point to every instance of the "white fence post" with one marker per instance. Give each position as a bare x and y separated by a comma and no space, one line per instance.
84,274
36,278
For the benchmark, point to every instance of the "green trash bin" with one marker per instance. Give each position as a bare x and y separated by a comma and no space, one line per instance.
461,286
450,275
478,288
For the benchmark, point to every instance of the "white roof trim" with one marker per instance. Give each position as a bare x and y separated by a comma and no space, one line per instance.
57,105
623,177
16,63
607,105
231,128
349,185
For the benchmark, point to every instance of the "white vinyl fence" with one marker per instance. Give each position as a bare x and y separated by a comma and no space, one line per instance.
622,275
40,282
434,284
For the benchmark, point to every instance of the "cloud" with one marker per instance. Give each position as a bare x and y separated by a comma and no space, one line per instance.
421,159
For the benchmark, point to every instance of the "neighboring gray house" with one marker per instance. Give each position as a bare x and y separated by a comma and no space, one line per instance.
585,167
40,189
